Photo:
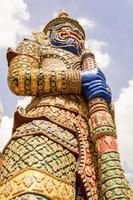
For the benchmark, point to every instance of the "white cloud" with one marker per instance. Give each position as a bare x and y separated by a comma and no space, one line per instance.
97,46
7,123
124,123
13,17
1,111
5,130
86,22
130,3
55,14
24,102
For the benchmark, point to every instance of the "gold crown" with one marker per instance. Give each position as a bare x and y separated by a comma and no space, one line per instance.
63,16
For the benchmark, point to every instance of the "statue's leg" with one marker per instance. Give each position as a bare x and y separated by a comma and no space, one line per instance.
34,162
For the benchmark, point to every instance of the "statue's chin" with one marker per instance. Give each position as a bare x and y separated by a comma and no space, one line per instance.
68,47
71,49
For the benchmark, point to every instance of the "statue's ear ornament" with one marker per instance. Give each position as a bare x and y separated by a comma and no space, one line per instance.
87,53
42,38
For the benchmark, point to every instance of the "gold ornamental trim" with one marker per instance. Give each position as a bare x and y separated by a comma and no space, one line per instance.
37,182
72,103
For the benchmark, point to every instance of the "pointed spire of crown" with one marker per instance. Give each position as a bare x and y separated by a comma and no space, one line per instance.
63,13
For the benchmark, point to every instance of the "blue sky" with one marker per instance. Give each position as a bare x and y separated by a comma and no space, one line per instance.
109,30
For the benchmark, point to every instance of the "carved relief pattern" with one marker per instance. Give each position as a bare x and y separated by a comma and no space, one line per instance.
69,60
112,181
62,117
29,47
38,152
86,170
50,130
36,182
72,103
26,77
101,123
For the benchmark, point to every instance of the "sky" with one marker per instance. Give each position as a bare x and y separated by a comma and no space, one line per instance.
109,30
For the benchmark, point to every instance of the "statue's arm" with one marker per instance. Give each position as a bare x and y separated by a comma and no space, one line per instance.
26,78
93,82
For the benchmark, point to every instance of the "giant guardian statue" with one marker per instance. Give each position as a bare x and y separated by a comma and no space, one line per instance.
64,143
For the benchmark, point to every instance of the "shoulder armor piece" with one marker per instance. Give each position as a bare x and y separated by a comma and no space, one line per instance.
41,38
10,55
29,47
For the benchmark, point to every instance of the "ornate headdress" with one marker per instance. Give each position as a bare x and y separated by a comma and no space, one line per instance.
63,16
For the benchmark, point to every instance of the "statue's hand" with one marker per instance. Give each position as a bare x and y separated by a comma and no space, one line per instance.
94,85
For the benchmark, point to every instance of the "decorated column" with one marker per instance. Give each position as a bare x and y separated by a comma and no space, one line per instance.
111,179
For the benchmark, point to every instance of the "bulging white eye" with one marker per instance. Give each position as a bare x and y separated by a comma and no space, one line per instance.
66,28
